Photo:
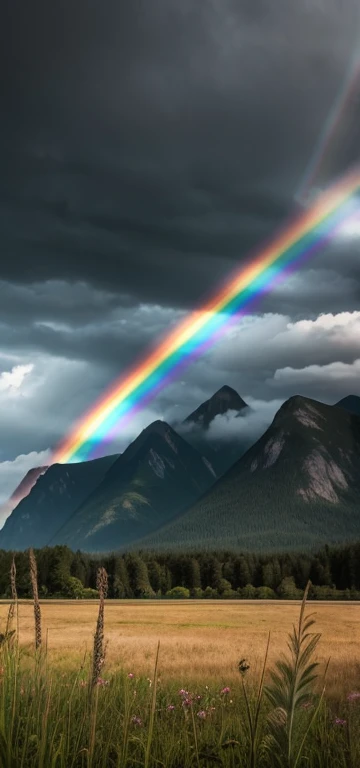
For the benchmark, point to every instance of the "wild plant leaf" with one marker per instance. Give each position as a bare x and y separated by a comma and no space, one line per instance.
291,683
270,750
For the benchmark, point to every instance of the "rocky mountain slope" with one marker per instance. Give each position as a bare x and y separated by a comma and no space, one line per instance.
158,476
57,492
298,486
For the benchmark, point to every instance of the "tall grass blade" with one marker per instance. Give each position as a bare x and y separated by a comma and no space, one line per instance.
152,711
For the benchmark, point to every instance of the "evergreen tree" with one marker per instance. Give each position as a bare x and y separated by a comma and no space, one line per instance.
155,574
192,575
242,575
138,576
78,567
267,575
120,580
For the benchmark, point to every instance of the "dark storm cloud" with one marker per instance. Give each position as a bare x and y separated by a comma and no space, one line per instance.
147,146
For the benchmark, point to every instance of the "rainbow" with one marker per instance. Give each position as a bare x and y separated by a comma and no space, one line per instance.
347,92
302,236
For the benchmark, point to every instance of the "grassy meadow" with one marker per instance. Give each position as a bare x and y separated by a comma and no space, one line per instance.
111,684
201,641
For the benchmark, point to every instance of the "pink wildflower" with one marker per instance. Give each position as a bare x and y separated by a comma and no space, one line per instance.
353,696
130,675
187,703
101,681
170,707
136,720
201,714
225,690
339,721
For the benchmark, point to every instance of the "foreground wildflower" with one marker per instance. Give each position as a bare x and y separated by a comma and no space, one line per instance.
339,721
353,696
225,690
201,714
136,720
170,707
306,705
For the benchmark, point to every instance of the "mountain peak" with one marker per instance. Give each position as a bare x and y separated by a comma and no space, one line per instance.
350,403
157,426
303,409
227,392
225,399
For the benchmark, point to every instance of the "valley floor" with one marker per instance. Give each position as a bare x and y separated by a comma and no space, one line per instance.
200,640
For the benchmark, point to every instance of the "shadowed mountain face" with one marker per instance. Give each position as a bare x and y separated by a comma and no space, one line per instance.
298,486
224,400
351,403
51,500
158,476
221,452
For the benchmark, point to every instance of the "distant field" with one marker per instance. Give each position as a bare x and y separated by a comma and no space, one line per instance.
200,640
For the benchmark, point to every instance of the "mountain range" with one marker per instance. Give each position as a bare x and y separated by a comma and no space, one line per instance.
297,486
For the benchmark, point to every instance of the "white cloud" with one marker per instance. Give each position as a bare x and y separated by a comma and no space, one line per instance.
246,428
336,372
343,322
11,381
350,229
273,341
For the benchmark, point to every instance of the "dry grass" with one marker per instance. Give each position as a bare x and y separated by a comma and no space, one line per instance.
200,640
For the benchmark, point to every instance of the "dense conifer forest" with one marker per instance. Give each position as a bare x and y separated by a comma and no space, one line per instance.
333,571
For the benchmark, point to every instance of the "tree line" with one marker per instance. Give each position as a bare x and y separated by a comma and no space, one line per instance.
333,571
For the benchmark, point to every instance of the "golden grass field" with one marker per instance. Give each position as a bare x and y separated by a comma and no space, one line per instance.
199,640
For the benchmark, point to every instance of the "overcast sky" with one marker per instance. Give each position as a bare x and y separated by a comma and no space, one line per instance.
146,146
